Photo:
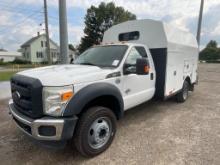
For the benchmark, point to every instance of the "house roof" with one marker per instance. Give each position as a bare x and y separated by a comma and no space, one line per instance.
27,43
10,54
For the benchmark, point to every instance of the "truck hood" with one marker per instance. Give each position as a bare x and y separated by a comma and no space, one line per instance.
61,75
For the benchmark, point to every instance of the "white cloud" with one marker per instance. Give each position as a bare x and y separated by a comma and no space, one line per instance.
5,19
14,32
74,33
216,30
140,7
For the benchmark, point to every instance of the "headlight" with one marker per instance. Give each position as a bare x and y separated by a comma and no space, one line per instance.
55,99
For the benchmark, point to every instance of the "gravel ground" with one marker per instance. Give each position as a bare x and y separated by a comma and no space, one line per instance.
163,133
5,90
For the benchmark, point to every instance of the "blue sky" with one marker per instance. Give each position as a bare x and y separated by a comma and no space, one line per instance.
20,19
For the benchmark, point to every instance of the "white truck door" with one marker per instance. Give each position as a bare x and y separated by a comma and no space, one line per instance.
137,88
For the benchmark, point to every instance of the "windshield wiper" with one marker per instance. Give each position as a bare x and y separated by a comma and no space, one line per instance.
87,63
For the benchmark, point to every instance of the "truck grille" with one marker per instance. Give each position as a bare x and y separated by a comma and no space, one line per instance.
27,95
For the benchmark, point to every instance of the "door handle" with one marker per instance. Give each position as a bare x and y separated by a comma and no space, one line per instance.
151,76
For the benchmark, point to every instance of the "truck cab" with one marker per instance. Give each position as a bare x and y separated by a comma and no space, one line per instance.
122,59
81,102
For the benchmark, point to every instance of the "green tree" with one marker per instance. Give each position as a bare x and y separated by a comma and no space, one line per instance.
212,44
211,52
71,47
99,19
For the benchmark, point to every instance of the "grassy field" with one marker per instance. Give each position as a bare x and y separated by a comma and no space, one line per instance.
24,66
11,69
5,76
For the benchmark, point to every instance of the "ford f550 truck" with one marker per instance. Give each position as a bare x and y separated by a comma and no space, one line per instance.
81,102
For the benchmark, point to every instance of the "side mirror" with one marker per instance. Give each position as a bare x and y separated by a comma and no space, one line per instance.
142,66
129,69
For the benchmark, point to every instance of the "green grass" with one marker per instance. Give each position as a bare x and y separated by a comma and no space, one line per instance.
24,66
5,76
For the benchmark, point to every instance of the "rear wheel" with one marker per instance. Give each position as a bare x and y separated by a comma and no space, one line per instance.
95,131
183,95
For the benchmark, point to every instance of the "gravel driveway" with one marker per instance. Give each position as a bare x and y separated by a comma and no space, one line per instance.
163,133
5,90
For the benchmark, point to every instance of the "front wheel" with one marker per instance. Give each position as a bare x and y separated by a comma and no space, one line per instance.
183,95
95,131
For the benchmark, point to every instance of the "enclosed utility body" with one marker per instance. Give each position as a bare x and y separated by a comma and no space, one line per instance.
175,52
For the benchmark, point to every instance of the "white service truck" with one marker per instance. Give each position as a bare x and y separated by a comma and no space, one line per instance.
81,102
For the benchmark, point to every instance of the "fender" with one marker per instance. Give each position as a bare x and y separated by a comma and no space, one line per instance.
91,92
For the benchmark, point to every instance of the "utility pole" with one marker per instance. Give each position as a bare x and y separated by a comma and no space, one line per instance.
47,33
200,21
63,32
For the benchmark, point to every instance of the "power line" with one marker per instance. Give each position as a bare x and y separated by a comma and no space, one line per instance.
20,22
20,11
14,7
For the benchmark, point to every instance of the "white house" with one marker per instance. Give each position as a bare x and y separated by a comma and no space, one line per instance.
8,56
35,50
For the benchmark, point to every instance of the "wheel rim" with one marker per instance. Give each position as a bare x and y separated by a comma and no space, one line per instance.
99,132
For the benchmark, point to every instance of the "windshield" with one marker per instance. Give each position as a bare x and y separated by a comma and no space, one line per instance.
102,56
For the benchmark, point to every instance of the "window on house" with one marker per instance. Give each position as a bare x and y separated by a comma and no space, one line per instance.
42,44
45,43
39,54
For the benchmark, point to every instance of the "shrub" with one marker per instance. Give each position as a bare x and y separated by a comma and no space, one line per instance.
20,61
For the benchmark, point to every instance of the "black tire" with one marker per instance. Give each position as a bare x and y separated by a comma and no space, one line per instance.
83,132
183,95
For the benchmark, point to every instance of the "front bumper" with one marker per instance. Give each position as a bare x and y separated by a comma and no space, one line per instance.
46,128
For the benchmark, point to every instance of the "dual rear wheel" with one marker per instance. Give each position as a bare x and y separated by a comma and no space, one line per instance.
183,95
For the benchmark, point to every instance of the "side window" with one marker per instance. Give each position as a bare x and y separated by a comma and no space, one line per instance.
129,36
142,51
135,53
133,56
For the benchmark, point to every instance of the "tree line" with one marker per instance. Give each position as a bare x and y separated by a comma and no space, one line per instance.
211,52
